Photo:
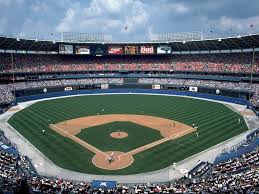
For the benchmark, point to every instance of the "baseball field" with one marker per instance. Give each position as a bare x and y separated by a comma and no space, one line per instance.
141,133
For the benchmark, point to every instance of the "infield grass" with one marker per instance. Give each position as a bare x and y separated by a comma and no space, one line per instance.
99,136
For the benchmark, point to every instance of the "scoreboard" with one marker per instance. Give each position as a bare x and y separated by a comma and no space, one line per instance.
113,49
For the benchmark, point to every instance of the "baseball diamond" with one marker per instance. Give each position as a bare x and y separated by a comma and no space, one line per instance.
169,130
158,128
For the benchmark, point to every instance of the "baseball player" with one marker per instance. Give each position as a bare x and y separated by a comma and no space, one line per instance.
112,155
109,159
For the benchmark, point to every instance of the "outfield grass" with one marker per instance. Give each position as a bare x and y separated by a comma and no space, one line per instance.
99,136
215,121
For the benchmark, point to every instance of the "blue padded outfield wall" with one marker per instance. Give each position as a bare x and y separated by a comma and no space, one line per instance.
246,146
237,153
144,91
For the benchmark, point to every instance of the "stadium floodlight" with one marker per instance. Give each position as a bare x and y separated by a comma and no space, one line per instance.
85,37
17,39
54,42
184,42
219,40
178,36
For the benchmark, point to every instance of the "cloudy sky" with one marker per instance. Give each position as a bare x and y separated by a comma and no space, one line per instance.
43,18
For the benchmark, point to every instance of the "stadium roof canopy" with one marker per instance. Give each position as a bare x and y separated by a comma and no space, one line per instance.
230,43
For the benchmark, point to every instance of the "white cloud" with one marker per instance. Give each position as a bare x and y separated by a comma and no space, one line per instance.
137,17
67,21
149,33
98,7
39,6
113,6
180,8
142,17
105,17
171,7
35,29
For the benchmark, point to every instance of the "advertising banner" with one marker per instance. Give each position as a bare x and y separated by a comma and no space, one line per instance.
65,49
164,49
193,89
68,88
115,50
104,86
103,184
82,50
147,50
156,86
131,50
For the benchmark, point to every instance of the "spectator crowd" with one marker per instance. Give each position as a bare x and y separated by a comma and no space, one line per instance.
6,89
224,62
202,83
7,96
213,62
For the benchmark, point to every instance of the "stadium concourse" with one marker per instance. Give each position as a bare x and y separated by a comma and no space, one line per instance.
31,69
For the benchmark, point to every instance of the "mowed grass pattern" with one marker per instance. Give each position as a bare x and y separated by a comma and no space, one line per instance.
138,135
215,121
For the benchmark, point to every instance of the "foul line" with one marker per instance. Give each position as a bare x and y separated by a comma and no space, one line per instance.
78,140
153,144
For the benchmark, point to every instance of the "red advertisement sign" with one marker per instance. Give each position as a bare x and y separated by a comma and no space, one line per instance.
147,50
112,50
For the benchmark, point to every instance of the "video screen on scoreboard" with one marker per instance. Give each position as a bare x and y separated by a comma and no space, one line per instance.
164,49
147,50
131,50
115,50
82,50
99,51
66,49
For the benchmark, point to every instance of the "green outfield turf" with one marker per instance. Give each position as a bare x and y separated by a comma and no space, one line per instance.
137,136
215,121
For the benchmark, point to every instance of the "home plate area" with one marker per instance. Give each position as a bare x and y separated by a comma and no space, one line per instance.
112,160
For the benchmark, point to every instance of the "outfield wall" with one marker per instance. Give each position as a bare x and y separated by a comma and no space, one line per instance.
140,91
244,147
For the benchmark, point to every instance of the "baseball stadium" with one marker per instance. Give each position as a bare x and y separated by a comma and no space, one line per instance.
88,114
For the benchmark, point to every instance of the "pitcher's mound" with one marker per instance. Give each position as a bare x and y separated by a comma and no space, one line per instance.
119,134
121,160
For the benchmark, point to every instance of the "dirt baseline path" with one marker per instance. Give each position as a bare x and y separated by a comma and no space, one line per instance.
169,129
